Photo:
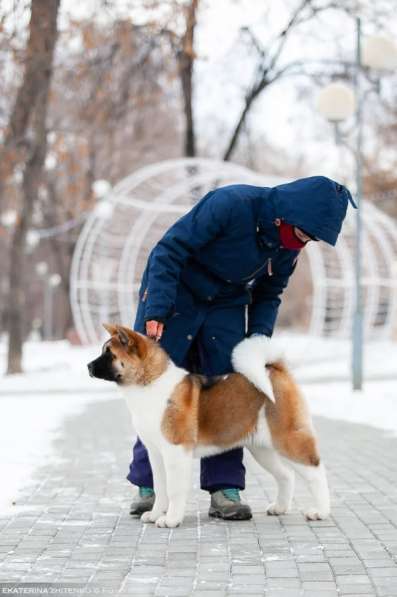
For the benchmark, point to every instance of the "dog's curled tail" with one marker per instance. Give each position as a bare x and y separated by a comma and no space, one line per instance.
250,357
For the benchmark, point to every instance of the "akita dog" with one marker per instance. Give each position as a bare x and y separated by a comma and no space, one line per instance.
179,416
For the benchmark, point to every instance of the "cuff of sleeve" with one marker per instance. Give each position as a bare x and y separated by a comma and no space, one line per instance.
258,331
155,318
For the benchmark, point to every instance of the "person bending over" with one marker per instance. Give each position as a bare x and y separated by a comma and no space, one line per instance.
217,276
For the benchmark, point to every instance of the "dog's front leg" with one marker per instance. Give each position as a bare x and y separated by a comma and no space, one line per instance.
178,468
160,505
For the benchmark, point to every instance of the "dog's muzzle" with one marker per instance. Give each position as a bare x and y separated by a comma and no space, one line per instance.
91,367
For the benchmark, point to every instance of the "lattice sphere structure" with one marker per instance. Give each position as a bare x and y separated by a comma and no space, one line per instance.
113,246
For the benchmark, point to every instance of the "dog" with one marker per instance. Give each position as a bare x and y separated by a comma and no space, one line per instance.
179,416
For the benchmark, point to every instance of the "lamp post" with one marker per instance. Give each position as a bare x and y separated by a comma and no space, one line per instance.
338,102
42,271
51,282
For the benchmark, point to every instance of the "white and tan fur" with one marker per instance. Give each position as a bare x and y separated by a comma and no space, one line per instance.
179,417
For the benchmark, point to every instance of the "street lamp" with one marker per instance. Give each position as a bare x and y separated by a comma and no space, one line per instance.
32,240
337,102
379,53
104,208
9,218
42,268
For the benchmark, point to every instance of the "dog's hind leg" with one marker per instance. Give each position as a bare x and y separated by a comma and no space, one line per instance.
178,468
316,478
271,461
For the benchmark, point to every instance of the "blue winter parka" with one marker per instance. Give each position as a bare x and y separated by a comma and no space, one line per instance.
226,251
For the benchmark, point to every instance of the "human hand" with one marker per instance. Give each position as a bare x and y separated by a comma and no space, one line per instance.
154,329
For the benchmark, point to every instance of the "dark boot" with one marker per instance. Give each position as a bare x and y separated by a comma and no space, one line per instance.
226,504
143,502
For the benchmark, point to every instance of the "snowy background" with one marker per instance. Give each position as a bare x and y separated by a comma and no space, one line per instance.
114,105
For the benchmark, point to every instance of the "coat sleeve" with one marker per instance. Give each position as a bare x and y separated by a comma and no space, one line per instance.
262,313
206,221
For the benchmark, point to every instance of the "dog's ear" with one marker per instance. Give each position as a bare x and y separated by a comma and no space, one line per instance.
133,341
123,336
141,345
109,327
122,333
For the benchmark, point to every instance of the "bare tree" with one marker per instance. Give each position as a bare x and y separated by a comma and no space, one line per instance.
186,57
268,70
29,114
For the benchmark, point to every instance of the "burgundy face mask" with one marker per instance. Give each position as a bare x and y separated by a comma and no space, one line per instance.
288,238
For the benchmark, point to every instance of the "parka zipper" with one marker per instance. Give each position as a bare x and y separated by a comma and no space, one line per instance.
254,273
269,267
268,263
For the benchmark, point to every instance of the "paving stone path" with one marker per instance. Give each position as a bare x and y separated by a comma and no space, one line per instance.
74,526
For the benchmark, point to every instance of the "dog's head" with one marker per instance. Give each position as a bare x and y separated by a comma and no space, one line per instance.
128,358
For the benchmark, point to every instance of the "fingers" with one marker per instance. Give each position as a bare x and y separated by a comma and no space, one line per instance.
160,329
154,329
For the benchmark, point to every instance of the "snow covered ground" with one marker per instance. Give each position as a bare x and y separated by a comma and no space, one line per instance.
56,385
34,405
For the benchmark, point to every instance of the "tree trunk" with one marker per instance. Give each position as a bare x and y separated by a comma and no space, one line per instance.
186,59
39,57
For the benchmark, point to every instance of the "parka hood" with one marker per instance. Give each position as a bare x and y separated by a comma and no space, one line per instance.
316,204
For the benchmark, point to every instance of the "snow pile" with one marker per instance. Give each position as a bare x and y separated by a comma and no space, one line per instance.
376,405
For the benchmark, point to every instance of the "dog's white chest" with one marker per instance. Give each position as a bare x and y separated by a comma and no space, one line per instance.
148,403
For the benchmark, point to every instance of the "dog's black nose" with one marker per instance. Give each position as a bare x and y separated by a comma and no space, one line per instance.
91,369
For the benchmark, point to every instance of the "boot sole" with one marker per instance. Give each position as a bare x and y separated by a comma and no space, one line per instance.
230,516
138,512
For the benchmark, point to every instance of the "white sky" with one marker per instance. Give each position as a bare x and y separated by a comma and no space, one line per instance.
286,119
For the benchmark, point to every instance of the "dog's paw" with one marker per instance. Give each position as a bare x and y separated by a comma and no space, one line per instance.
169,522
313,514
148,517
276,510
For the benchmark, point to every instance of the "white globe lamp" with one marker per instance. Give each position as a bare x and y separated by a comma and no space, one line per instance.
42,268
101,188
379,53
55,280
104,209
336,101
9,218
32,239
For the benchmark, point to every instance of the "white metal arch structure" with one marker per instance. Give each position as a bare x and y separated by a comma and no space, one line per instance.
113,246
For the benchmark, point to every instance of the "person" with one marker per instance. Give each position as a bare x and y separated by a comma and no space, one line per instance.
215,277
